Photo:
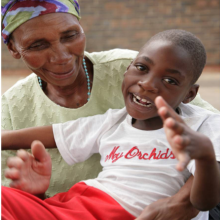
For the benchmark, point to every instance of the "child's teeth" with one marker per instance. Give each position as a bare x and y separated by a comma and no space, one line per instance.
138,98
134,99
143,100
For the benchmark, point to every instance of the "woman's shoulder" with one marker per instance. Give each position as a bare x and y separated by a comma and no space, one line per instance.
25,83
111,55
19,103
22,86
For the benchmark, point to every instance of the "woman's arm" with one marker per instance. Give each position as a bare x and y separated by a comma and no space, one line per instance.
17,139
173,207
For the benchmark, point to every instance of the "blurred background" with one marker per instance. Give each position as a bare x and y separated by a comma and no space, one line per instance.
130,23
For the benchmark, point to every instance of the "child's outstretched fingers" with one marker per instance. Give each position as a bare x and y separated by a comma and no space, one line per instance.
39,151
164,110
15,165
178,141
176,126
24,155
183,159
12,173
30,172
42,163
175,130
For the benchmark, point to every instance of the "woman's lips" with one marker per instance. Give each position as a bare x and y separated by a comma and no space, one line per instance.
60,75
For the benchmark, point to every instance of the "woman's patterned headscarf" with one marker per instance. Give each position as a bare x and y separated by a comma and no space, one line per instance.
16,12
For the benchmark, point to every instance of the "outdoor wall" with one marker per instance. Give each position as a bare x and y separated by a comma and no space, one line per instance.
130,23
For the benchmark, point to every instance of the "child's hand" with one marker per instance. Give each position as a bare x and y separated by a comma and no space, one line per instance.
30,172
186,144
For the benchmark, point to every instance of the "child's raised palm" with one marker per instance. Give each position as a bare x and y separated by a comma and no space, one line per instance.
183,140
30,172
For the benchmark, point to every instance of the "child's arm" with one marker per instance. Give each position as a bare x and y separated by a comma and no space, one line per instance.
17,139
30,172
186,145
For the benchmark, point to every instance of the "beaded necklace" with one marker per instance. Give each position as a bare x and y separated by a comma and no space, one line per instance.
88,80
87,77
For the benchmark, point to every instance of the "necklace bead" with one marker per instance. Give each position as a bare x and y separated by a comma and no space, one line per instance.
40,82
87,76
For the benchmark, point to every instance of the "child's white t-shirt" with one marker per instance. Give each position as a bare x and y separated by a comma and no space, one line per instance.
138,166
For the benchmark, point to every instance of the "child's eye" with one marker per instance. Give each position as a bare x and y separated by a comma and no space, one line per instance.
141,68
170,81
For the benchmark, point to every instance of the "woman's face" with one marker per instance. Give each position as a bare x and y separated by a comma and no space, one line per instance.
52,46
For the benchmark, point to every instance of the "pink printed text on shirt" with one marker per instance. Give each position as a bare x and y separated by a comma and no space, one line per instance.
134,152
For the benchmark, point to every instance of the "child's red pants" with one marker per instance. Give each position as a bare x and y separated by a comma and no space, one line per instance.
81,202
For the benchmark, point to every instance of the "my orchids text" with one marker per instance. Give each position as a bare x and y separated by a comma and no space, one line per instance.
135,152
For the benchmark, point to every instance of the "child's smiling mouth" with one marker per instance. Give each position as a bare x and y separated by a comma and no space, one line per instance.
141,101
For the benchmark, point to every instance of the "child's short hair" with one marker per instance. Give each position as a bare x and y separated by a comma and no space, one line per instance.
190,43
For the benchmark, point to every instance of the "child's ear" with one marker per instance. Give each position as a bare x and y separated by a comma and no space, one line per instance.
13,50
191,94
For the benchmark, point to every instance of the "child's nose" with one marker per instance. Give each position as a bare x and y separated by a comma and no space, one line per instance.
149,84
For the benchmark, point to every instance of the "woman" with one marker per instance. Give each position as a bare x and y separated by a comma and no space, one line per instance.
67,82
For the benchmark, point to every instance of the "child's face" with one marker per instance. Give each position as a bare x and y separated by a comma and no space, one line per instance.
160,69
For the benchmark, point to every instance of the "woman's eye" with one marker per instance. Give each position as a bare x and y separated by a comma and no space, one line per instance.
37,46
170,81
141,68
70,36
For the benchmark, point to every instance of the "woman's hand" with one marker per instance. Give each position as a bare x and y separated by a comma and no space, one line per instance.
168,209
30,172
172,208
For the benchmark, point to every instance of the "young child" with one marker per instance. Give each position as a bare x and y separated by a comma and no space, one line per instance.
138,144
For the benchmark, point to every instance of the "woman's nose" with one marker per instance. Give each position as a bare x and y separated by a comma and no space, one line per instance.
59,54
149,84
